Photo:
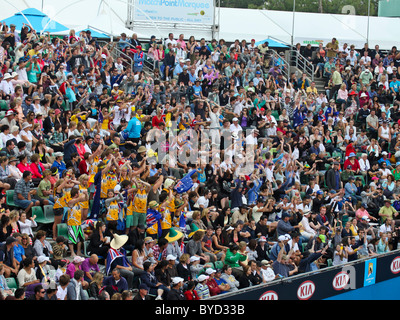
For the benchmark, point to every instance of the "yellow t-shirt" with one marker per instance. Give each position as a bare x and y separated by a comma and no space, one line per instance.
165,223
139,202
112,211
84,204
61,200
108,181
93,169
74,215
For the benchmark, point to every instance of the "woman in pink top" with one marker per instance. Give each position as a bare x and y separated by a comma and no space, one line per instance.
342,94
362,212
75,265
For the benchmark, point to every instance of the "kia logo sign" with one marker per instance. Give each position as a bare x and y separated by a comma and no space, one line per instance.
340,281
395,265
269,295
306,290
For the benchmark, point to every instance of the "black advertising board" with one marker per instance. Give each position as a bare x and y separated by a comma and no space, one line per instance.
325,283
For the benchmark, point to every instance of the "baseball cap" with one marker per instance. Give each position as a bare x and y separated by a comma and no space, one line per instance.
281,238
171,257
194,258
322,237
10,240
210,270
42,259
202,277
176,280
144,286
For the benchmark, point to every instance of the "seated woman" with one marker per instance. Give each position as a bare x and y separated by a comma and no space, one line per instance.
99,244
149,278
37,169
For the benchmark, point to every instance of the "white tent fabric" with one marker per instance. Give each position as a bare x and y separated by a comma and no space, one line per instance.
109,16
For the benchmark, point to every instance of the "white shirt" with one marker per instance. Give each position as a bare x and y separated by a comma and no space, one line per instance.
251,140
7,87
235,128
61,293
268,274
173,41
306,226
385,228
202,201
269,174
364,164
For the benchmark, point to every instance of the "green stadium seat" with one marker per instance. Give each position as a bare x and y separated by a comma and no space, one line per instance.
218,264
10,198
62,230
3,105
12,283
40,217
48,211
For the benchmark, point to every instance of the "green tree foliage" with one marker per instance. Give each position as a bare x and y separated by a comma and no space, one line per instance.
324,6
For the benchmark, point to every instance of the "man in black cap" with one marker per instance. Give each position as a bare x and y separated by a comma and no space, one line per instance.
176,289
143,293
333,179
7,257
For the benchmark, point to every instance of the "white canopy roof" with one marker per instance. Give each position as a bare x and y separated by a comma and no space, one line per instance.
109,16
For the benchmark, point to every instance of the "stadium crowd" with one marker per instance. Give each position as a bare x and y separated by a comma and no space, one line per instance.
124,166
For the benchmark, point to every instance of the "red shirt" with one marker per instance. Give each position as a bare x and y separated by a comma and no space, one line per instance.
213,287
37,170
354,166
156,121
191,295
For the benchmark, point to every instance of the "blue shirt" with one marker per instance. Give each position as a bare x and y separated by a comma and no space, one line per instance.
19,251
350,189
134,127
197,90
395,85
60,166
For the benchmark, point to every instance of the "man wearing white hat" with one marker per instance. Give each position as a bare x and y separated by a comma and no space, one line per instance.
176,289
116,259
6,86
9,119
202,289
235,127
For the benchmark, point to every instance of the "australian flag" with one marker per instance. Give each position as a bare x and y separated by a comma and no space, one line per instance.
88,223
182,221
100,118
186,183
111,256
152,217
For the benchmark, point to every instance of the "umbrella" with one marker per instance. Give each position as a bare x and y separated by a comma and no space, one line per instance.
272,43
39,21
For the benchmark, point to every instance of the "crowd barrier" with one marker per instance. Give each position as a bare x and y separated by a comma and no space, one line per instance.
326,283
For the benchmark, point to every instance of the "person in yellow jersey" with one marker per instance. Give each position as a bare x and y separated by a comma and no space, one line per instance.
167,215
113,209
78,115
180,205
138,206
61,197
74,221
127,193
109,177
83,187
